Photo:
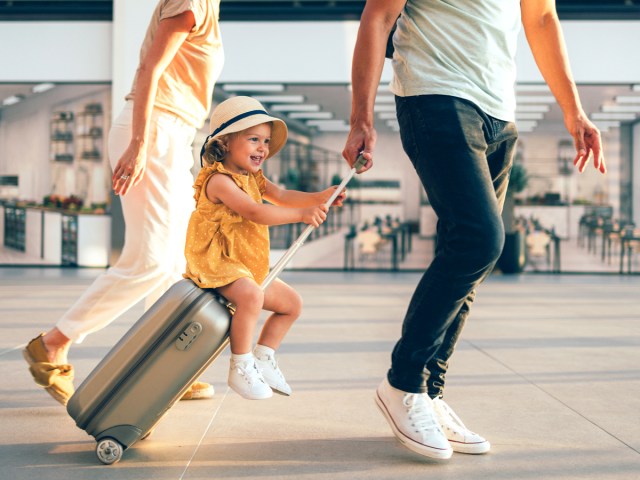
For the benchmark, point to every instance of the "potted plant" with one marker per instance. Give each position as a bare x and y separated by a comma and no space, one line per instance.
513,257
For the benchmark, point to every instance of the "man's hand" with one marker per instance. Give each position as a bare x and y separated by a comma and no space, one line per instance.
586,137
361,140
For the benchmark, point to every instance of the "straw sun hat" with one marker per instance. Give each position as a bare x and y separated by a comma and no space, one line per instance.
239,113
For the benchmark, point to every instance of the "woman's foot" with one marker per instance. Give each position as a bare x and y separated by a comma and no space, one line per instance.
55,378
198,391
246,380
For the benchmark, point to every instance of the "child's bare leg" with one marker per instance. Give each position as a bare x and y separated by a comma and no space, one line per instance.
248,297
286,305
244,375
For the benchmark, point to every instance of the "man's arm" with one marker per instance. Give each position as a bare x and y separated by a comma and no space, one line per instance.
544,35
376,22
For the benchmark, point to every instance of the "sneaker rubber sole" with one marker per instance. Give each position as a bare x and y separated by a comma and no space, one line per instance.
417,447
470,448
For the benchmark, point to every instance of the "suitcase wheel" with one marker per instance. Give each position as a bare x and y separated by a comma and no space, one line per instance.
109,451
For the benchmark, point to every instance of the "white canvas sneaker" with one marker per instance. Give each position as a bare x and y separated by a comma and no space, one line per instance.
271,373
246,380
462,439
413,421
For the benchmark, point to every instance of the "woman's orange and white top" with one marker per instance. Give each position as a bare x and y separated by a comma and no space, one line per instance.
221,245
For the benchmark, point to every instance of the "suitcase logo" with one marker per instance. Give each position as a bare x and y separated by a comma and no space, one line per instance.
188,336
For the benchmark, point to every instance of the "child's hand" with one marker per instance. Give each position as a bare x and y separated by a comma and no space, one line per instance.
326,195
314,215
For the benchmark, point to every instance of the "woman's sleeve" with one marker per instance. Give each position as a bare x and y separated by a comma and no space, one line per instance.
172,8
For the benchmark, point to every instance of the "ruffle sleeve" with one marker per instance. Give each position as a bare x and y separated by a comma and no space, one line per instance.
261,181
217,167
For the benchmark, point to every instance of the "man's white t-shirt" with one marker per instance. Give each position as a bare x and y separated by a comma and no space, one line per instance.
461,48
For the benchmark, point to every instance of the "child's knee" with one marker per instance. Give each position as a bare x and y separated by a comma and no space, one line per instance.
295,304
253,298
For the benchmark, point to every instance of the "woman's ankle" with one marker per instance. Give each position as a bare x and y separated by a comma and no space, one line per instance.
57,345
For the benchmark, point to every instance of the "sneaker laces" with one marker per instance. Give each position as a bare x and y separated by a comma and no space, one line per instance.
420,412
271,360
449,417
249,371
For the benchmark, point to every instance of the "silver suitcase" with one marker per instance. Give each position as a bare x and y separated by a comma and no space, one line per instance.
150,368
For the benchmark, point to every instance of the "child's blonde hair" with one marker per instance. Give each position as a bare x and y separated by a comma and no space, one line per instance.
217,149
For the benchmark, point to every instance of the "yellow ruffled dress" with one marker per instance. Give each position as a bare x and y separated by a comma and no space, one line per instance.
221,245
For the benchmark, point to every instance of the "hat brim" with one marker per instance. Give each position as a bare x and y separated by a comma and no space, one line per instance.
279,130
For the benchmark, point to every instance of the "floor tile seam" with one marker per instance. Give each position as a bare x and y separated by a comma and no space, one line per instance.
204,433
551,395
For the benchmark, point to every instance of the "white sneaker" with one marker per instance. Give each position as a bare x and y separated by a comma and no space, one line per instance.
413,421
268,366
246,380
462,439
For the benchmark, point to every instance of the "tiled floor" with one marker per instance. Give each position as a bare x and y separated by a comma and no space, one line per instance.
547,368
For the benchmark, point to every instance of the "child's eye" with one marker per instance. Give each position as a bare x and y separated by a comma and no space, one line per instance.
267,141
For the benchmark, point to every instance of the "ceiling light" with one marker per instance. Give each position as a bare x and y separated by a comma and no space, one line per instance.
386,99
295,108
387,116
627,99
540,88
535,99
279,98
253,87
526,124
42,87
384,108
311,115
613,116
529,116
12,100
621,108
532,108
607,124
318,123
334,128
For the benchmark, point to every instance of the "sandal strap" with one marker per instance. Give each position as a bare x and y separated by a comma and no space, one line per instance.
45,373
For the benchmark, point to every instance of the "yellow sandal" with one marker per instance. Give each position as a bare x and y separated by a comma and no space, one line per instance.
56,379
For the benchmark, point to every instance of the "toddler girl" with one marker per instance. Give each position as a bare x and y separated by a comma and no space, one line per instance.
228,237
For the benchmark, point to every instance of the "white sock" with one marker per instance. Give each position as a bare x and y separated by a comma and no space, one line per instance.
241,358
262,351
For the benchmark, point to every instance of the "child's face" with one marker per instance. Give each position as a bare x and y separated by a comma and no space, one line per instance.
248,149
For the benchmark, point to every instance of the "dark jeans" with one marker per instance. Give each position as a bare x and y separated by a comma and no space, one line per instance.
463,158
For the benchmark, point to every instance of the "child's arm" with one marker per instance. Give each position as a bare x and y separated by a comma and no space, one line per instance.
222,189
295,198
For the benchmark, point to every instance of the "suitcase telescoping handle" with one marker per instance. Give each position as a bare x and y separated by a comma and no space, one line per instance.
278,267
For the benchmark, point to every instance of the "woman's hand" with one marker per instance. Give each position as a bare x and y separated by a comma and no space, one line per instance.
314,215
130,169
